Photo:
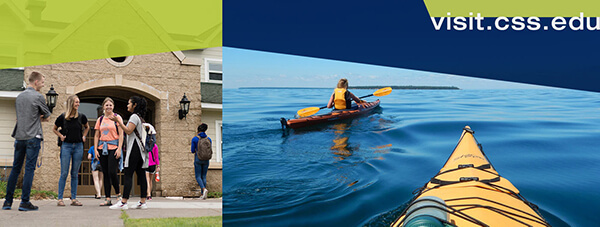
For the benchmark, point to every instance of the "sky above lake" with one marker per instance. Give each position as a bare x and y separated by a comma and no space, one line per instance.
249,68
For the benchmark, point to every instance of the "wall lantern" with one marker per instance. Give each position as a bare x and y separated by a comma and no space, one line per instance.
184,107
51,98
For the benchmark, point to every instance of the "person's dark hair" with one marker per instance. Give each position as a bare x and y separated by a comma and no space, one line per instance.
202,127
99,110
140,105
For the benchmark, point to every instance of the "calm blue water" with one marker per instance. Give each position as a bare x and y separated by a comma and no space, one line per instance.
362,172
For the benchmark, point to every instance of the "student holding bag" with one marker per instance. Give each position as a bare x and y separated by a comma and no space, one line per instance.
136,159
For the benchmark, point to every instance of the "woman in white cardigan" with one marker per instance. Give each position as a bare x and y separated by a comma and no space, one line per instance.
136,160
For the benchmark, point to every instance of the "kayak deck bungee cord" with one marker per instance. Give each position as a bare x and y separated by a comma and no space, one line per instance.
336,115
468,191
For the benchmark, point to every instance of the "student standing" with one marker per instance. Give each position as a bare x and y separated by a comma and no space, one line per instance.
153,169
74,126
136,160
108,140
202,148
96,172
31,110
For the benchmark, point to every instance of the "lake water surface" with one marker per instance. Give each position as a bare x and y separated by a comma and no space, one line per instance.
363,171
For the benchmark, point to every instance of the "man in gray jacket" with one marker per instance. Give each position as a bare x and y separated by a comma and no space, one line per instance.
31,111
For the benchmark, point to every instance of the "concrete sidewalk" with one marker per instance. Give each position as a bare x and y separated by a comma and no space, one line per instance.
91,214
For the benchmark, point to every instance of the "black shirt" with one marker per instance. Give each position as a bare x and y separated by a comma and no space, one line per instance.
73,129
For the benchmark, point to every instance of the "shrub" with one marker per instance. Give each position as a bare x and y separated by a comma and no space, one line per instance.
215,194
35,194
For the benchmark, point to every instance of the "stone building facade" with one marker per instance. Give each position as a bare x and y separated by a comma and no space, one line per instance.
162,79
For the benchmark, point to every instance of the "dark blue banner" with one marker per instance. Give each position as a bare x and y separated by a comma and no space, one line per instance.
401,34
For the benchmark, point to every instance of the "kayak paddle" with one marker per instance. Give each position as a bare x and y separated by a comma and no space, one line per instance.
313,110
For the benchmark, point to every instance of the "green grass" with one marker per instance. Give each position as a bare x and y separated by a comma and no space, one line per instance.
211,221
124,215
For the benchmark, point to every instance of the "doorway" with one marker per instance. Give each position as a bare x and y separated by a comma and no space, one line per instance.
91,107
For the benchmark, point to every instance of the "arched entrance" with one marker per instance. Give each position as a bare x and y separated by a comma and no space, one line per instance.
91,100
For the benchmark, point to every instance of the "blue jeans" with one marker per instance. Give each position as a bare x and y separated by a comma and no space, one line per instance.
200,169
70,155
23,149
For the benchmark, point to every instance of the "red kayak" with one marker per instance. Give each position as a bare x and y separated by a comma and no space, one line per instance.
336,115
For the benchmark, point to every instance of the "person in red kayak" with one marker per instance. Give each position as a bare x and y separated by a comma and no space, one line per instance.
341,97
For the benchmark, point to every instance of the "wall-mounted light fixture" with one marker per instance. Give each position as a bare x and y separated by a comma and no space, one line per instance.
184,107
51,98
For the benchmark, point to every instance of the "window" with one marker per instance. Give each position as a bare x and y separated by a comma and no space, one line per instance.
120,61
120,47
213,70
218,156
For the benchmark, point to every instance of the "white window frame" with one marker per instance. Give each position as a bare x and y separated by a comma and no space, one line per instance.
207,62
128,60
219,142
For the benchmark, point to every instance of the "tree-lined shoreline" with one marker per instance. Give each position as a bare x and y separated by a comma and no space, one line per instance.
408,87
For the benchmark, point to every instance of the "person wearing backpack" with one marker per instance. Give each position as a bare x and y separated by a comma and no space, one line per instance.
74,126
136,157
202,148
153,169
154,160
108,141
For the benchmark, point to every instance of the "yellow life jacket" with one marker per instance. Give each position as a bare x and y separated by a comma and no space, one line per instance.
340,99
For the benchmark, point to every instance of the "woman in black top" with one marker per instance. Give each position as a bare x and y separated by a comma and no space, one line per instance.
74,126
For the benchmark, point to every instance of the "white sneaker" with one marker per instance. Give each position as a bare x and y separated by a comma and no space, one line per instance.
140,205
204,193
119,206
